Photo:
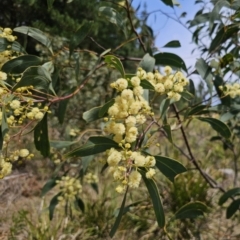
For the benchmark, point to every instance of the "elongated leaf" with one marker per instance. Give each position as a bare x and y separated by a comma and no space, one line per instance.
80,204
61,144
119,217
38,77
164,107
172,44
187,95
147,85
4,124
127,208
114,62
196,110
104,109
191,87
36,34
41,140
146,94
200,19
225,100
218,126
168,2
92,114
95,187
233,207
215,13
62,110
15,46
222,36
229,194
156,201
77,65
105,52
189,213
191,210
113,16
51,183
227,116
105,166
169,167
63,105
49,66
168,131
147,63
94,145
215,138
4,127
129,75
55,78
79,35
86,161
4,43
205,72
52,205
170,59
20,64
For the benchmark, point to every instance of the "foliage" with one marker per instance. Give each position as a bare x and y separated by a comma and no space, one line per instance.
142,104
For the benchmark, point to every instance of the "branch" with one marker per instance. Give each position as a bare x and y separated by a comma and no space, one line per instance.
192,159
100,46
141,137
132,26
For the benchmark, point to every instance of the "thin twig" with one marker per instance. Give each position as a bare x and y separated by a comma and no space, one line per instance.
58,99
208,178
92,39
132,26
135,59
192,159
140,139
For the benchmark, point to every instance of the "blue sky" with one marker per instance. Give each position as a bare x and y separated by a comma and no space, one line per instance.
166,29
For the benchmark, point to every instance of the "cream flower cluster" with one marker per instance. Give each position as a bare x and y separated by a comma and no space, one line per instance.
233,90
19,108
129,111
19,154
3,76
74,132
7,54
69,188
5,167
169,83
16,112
7,33
6,162
56,158
16,108
90,178
124,167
